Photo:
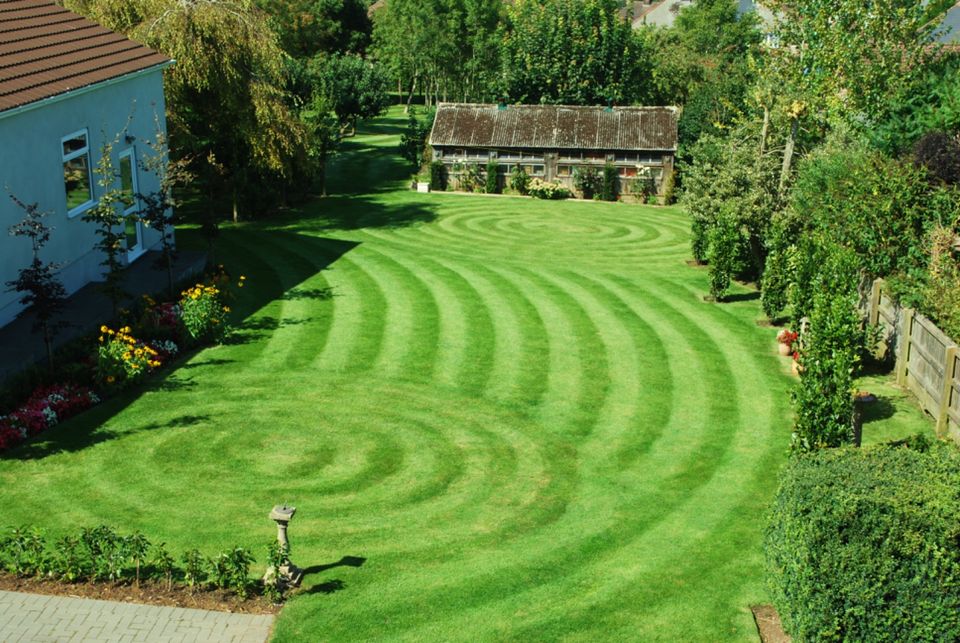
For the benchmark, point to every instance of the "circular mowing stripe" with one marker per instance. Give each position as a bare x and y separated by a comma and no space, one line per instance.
465,341
518,374
356,333
579,378
633,525
410,316
301,323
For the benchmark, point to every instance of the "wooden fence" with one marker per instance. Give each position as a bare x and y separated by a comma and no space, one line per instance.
927,360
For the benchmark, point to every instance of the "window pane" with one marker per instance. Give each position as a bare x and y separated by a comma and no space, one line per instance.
131,232
74,144
76,178
126,180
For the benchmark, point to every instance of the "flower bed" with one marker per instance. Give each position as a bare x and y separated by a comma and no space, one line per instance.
124,357
46,408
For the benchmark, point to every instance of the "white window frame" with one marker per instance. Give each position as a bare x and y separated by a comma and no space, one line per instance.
65,158
135,206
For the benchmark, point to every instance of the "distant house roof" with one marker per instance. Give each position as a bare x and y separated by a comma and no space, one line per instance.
46,50
555,127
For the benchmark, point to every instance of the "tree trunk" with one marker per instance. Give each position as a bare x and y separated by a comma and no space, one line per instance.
788,156
764,132
236,216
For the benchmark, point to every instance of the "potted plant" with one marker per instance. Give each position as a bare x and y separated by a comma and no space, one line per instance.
786,338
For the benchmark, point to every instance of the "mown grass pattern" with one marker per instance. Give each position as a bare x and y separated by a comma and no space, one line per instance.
522,414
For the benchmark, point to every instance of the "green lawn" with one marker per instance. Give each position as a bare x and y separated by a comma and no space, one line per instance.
521,416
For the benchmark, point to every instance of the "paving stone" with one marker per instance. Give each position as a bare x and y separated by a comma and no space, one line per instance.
35,618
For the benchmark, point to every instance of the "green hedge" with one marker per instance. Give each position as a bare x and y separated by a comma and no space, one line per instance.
864,545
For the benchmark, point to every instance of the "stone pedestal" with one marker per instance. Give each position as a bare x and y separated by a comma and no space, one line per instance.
289,575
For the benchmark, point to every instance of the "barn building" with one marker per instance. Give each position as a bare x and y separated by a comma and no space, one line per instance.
551,141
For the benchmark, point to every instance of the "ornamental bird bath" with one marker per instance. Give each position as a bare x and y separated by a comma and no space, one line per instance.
289,574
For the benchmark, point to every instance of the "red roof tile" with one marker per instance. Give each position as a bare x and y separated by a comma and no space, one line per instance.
46,50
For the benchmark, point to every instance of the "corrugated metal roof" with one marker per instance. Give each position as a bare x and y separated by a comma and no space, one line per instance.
46,50
555,127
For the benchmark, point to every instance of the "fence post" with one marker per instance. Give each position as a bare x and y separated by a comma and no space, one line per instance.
874,311
906,337
942,417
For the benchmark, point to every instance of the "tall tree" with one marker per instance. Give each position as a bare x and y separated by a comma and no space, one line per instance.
578,52
227,107
309,27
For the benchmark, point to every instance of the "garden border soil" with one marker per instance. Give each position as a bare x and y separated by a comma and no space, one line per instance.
149,593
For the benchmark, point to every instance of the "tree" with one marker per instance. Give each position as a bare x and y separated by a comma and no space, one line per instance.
227,107
352,87
43,294
577,52
158,207
413,141
107,218
441,48
325,135
309,27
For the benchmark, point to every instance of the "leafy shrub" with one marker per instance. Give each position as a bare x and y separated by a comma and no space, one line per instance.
492,183
699,239
861,545
122,359
941,293
163,563
438,176
774,284
204,314
611,183
471,178
195,568
231,570
587,180
23,552
540,189
722,255
519,180
831,353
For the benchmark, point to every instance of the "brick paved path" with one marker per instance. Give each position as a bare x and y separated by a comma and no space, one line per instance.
36,618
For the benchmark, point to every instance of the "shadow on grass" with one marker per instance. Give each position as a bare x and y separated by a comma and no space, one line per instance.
334,585
88,435
881,409
741,296
346,561
326,587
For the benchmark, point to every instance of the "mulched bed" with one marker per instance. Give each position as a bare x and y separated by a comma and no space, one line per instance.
149,593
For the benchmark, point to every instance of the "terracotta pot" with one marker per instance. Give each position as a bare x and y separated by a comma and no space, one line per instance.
795,366
784,349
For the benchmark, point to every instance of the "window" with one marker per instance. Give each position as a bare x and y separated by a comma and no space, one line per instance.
128,196
627,158
568,155
533,170
564,170
76,172
628,172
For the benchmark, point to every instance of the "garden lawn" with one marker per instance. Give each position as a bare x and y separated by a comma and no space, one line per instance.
498,418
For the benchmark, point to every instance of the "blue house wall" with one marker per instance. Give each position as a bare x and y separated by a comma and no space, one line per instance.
32,169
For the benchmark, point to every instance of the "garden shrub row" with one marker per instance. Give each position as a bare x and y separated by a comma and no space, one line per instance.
864,544
100,554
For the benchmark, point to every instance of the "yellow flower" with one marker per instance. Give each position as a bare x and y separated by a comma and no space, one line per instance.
104,329
110,379
101,339
226,309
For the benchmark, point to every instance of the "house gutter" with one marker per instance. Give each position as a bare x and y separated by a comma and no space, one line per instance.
83,90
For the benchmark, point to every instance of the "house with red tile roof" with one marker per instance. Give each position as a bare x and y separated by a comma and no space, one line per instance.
67,87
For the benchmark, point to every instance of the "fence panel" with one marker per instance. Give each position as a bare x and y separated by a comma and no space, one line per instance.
927,360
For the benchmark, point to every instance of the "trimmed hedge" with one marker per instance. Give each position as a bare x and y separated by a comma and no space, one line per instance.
864,544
